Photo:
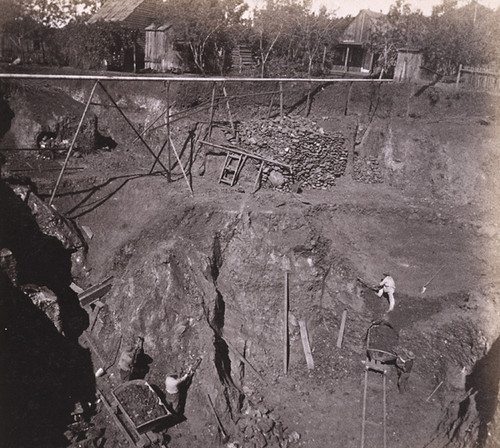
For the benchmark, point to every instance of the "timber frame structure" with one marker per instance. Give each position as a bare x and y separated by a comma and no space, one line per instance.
99,81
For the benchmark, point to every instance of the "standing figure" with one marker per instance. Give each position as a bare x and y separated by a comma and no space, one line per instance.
175,387
388,287
128,359
404,364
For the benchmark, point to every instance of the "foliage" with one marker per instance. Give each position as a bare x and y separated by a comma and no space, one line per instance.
400,28
300,40
53,13
91,46
206,27
466,35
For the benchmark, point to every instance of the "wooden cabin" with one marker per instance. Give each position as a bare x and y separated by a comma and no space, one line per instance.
352,54
133,14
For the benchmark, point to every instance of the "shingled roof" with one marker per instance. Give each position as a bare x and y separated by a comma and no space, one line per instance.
133,13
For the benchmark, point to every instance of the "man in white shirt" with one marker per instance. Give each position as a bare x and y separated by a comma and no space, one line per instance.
388,287
173,387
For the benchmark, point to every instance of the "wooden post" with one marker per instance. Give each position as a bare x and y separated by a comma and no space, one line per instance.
229,110
458,76
167,141
285,326
308,105
341,331
281,100
259,174
132,127
270,106
169,155
346,64
212,110
72,143
305,345
347,99
181,167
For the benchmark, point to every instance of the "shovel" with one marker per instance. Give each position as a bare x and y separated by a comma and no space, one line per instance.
424,288
225,437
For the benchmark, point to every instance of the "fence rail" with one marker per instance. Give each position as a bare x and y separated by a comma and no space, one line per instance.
479,78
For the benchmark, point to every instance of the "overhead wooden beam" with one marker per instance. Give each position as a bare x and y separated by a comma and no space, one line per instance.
177,78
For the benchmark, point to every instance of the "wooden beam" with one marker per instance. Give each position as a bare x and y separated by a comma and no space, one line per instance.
181,167
95,292
248,154
133,127
176,78
305,345
281,99
72,143
341,331
285,325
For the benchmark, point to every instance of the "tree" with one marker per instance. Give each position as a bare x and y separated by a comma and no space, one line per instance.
467,35
315,31
205,28
400,28
51,13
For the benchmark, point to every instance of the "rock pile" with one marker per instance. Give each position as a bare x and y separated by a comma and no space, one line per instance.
316,158
367,170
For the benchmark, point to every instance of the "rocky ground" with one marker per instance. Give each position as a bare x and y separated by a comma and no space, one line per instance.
203,275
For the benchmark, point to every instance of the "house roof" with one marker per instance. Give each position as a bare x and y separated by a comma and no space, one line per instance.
134,13
358,31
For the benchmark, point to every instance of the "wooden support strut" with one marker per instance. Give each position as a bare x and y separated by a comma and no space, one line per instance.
341,331
229,110
181,167
285,325
133,127
305,345
167,141
73,143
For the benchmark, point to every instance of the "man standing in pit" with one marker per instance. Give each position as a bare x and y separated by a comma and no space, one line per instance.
404,364
388,287
173,387
176,389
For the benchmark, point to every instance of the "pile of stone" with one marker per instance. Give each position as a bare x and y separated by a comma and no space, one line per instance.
316,158
367,170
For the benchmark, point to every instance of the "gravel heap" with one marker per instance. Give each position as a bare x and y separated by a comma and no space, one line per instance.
367,171
316,158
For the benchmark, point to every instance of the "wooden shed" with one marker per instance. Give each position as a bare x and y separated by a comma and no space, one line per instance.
408,65
352,55
161,54
133,14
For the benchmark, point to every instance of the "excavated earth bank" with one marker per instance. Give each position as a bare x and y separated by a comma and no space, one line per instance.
204,276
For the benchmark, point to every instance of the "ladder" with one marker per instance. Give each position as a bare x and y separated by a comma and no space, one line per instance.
232,166
374,369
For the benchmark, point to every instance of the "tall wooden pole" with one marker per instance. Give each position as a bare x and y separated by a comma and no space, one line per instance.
169,155
73,143
285,326
229,110
281,100
212,110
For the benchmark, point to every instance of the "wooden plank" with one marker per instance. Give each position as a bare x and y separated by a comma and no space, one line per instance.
95,292
285,326
305,344
248,154
341,331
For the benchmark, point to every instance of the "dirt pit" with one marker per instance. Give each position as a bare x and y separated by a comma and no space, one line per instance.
203,275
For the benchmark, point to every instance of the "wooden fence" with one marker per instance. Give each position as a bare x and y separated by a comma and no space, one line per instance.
479,78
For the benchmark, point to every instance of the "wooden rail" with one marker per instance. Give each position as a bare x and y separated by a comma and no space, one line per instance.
176,78
248,154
